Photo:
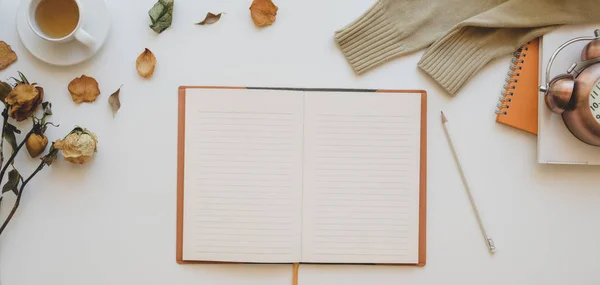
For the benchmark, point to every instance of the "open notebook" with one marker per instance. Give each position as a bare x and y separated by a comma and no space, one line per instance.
301,176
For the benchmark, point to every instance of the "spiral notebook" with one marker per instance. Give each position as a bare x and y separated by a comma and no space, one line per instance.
301,176
518,105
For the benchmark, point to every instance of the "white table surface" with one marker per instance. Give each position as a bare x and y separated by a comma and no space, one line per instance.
112,221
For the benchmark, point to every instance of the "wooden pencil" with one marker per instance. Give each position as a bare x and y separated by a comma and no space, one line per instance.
488,240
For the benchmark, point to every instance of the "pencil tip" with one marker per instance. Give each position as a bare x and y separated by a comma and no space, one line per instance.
443,117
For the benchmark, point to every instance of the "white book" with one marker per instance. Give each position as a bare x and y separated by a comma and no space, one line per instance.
556,145
297,176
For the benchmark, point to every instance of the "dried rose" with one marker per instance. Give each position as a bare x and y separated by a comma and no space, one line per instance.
84,89
78,146
36,144
263,12
23,100
145,63
7,55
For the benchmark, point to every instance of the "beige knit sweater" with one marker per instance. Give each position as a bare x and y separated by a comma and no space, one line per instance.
463,35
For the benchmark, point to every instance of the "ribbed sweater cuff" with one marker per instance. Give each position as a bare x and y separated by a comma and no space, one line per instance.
370,40
455,58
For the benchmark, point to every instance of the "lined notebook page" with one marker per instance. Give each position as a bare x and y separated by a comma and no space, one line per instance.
361,177
243,175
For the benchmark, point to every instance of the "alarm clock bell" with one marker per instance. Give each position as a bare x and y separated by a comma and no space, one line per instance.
576,94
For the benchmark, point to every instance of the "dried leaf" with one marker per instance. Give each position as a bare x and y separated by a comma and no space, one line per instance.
47,107
263,12
9,135
113,100
13,182
84,89
161,15
210,19
23,79
5,89
145,63
49,158
7,55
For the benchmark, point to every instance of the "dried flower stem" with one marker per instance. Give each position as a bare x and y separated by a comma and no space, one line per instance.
4,123
2,143
14,154
3,171
21,101
17,202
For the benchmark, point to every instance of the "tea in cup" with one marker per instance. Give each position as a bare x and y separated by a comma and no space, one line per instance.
58,21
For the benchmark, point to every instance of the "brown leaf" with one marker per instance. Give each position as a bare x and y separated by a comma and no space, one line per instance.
84,89
113,100
210,19
145,63
263,12
7,55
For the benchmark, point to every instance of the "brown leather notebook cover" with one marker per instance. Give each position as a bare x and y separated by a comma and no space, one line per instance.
518,105
181,159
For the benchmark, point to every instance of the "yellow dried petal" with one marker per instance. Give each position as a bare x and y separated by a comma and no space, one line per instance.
263,12
145,63
21,93
84,89
7,55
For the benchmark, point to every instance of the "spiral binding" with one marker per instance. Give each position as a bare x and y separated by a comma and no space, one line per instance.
516,64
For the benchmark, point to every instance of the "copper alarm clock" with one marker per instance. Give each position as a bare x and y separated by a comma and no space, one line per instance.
576,94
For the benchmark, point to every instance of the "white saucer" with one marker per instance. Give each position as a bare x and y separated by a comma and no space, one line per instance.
96,22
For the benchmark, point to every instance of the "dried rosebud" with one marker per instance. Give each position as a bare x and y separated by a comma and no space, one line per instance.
78,146
36,144
23,100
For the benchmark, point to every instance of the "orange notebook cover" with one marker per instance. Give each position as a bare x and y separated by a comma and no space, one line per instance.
188,94
518,105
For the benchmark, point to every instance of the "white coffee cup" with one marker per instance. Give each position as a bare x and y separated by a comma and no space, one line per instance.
78,33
